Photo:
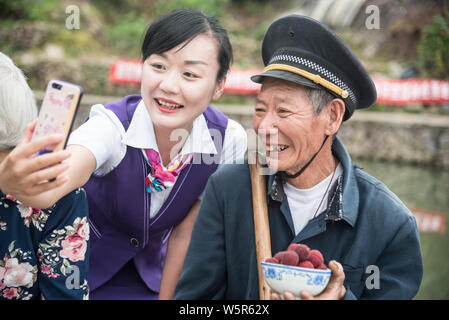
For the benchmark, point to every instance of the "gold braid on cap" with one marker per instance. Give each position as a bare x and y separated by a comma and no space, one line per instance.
314,77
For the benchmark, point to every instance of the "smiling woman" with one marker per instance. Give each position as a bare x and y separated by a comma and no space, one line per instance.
178,85
144,187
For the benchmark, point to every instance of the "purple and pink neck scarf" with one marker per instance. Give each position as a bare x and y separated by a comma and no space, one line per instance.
161,178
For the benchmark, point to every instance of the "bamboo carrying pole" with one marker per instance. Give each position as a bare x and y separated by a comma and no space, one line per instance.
261,224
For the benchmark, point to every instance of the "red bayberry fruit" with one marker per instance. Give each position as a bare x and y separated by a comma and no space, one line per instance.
292,247
303,252
289,258
322,266
315,257
272,260
306,264
278,256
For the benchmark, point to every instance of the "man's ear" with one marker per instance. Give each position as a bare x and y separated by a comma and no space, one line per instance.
335,113
219,88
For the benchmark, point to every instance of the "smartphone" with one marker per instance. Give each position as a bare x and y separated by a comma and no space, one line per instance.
58,111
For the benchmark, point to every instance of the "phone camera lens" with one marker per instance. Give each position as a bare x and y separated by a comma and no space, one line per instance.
56,86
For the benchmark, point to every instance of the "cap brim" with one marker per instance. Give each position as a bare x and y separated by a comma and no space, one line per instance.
285,75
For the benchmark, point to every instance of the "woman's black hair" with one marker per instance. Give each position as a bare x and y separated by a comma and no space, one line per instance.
181,25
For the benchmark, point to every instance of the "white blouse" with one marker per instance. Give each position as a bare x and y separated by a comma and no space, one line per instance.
104,135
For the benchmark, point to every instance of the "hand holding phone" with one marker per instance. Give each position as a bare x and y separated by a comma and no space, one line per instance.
58,111
22,175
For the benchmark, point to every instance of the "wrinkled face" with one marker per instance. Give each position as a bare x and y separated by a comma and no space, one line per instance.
178,84
285,121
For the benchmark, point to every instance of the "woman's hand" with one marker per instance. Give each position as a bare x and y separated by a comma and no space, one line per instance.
333,291
21,175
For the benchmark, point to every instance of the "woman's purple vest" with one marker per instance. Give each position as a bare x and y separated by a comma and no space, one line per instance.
119,206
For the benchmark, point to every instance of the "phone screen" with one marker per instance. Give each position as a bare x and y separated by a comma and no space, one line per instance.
57,112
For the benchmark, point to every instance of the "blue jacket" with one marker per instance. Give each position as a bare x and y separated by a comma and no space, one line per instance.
364,225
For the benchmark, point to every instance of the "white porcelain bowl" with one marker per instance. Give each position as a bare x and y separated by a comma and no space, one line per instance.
295,279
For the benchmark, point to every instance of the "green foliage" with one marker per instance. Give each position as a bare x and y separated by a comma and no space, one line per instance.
237,2
126,34
209,7
235,99
7,49
259,31
113,9
27,9
75,42
377,107
433,49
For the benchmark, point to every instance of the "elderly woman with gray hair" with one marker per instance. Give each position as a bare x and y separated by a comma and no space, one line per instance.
43,252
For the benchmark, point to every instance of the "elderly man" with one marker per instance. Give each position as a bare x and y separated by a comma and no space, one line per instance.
311,83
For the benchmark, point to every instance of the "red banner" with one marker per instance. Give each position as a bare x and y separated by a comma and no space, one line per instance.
403,92
127,72
429,221
412,91
239,82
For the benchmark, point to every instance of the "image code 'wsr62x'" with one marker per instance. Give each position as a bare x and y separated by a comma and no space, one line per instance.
236,309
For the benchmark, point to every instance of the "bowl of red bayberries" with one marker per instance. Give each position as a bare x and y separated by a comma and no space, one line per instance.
296,269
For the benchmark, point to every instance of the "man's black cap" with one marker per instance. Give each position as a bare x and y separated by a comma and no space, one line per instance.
302,50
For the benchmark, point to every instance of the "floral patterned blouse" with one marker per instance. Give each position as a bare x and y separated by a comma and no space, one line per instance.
44,253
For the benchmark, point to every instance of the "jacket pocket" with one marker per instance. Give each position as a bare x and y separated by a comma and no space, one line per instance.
354,279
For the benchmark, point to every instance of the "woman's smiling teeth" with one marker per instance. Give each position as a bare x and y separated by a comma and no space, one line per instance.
168,105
